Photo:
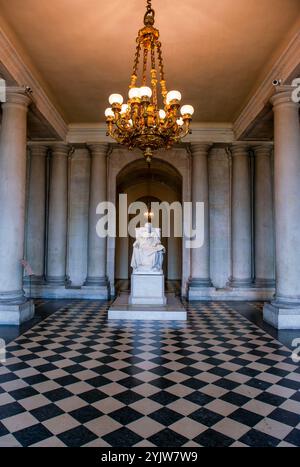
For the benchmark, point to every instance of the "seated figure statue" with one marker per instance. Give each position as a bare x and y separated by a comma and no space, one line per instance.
148,251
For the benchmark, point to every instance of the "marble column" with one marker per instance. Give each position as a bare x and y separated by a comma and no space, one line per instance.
58,215
200,264
241,217
14,308
284,312
263,217
36,213
96,276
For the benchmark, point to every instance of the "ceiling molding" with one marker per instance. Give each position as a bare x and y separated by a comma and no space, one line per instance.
23,76
216,133
283,69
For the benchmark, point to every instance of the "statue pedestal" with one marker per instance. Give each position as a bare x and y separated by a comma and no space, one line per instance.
147,289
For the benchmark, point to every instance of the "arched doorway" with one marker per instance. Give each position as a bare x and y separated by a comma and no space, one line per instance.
161,183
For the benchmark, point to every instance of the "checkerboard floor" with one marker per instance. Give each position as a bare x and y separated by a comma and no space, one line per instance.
76,379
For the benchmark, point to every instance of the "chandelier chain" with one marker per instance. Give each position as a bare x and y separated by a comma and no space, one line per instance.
149,5
145,66
137,58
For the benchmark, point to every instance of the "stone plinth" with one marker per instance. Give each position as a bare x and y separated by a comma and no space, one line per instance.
16,314
281,317
147,289
122,309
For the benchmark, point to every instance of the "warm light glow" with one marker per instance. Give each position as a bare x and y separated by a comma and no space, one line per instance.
134,93
173,96
187,110
145,92
109,112
115,99
149,118
124,108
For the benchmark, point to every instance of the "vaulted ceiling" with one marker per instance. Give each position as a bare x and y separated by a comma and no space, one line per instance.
215,52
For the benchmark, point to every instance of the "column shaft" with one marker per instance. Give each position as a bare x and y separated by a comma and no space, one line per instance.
13,194
200,268
36,211
98,193
58,215
264,225
241,217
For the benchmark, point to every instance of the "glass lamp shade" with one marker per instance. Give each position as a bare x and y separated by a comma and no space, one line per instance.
115,99
173,96
145,92
180,121
162,114
134,93
109,112
130,122
124,108
187,110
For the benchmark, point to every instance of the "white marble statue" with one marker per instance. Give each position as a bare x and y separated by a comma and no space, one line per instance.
147,256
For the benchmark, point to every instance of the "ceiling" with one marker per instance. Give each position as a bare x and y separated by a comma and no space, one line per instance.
215,51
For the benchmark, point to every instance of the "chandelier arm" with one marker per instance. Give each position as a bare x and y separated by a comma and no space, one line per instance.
145,66
136,64
153,77
161,72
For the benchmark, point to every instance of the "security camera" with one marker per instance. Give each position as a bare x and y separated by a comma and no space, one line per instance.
276,82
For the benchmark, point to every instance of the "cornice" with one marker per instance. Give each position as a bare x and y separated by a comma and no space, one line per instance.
201,132
283,68
14,64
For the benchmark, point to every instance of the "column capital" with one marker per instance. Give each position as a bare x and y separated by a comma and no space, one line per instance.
200,149
38,149
98,149
240,148
17,96
263,149
61,149
284,97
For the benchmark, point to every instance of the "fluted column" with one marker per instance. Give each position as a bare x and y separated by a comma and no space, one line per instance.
58,215
13,196
200,269
263,212
98,193
285,312
36,214
241,217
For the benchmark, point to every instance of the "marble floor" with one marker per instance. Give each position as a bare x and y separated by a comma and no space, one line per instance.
72,378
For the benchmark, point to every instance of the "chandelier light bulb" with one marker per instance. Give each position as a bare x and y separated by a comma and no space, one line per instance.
115,99
173,96
162,114
130,122
187,110
145,91
134,93
109,112
124,108
180,121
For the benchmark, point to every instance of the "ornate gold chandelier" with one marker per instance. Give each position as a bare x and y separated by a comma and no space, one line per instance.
148,121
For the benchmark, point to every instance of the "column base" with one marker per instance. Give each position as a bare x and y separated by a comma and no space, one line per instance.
96,282
34,280
264,283
282,316
14,314
196,283
241,283
56,280
57,291
233,294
